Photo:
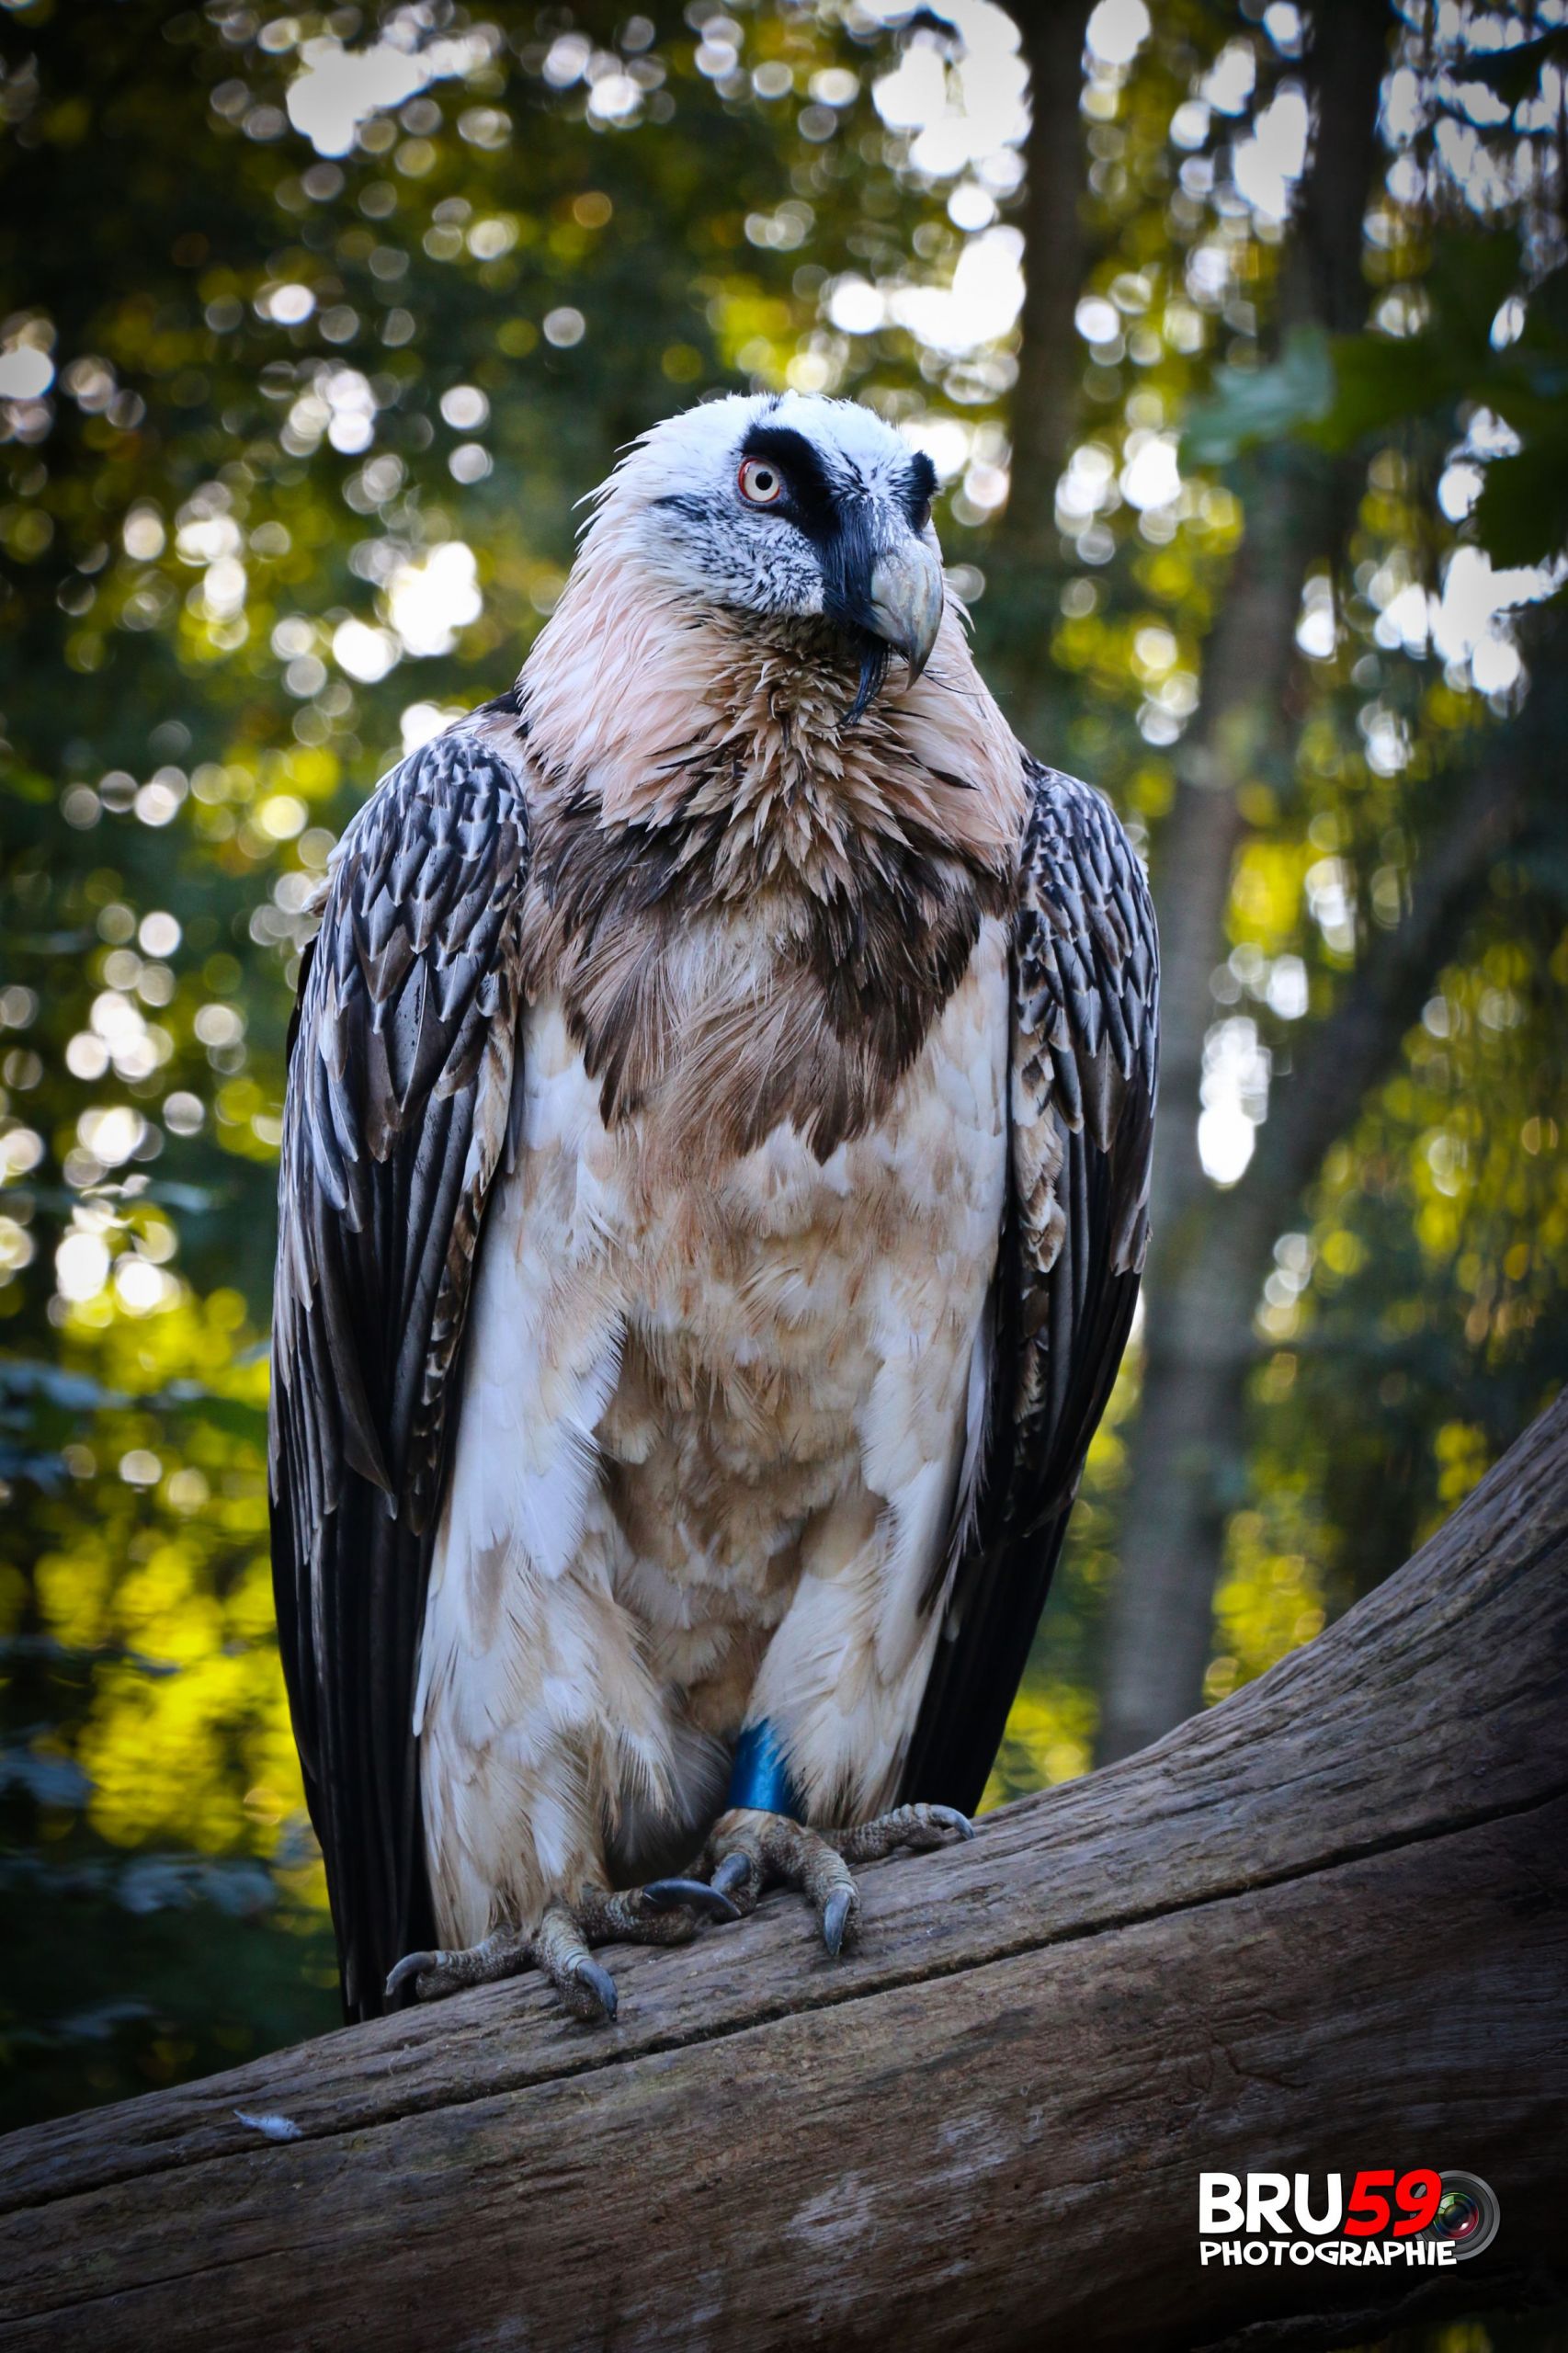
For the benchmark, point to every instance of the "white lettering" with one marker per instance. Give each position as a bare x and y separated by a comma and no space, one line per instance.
1319,2226
1266,2194
1219,2204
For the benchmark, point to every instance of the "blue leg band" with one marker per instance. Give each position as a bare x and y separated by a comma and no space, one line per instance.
760,1778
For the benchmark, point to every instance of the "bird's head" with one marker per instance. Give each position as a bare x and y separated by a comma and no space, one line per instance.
790,507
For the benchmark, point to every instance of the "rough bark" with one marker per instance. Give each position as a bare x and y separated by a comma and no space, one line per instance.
1323,1927
1298,506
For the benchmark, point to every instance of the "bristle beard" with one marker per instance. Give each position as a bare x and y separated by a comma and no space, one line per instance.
789,730
875,654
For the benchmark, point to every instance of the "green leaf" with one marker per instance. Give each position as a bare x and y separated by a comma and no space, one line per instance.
1252,405
1521,515
1335,392
1471,273
1380,378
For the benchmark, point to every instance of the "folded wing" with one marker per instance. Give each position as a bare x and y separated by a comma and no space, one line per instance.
1084,1025
400,1103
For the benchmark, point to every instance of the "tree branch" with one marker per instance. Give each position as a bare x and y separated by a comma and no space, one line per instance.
1346,1056
1322,1927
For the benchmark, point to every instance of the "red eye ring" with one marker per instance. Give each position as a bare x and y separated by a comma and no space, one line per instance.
761,484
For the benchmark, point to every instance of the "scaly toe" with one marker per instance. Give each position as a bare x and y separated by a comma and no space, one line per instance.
435,1974
750,1850
588,1991
561,1951
919,1826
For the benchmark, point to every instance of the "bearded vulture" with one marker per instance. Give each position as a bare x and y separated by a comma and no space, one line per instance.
714,1187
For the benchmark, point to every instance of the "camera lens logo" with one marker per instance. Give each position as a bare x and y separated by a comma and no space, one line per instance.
1467,2214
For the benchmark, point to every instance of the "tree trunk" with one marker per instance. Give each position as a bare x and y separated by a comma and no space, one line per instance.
1024,561
1051,358
1323,1927
1200,1290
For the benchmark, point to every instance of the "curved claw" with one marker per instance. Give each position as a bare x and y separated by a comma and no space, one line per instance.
947,1817
732,1873
665,1894
834,1918
413,1964
596,1985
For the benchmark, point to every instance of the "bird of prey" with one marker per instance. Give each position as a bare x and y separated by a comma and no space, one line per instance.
714,1187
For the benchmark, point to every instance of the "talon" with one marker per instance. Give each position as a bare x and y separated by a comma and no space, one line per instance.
732,1873
665,1894
947,1817
834,1918
413,1964
598,1986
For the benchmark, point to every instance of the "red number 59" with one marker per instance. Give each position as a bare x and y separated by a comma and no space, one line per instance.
1416,2195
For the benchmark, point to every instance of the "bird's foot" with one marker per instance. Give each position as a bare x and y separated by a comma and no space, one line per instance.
666,1912
749,1851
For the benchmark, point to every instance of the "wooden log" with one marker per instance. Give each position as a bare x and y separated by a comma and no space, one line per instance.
1320,1927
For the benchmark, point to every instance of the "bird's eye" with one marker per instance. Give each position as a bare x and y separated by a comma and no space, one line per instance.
761,484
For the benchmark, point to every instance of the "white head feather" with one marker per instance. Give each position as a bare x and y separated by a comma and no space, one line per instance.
676,505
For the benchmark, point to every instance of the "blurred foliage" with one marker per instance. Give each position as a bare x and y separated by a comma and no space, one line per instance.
292,440
1336,391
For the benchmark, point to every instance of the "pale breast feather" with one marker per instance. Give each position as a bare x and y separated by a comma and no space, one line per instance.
1085,1019
397,1117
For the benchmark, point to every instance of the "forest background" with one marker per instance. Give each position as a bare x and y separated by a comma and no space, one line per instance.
1239,335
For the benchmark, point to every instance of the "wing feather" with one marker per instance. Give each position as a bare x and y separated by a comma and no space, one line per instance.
401,1084
1085,1029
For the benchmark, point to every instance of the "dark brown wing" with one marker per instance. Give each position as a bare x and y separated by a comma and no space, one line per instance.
402,1063
1085,1014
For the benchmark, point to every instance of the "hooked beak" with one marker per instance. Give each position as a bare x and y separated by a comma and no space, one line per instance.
907,602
